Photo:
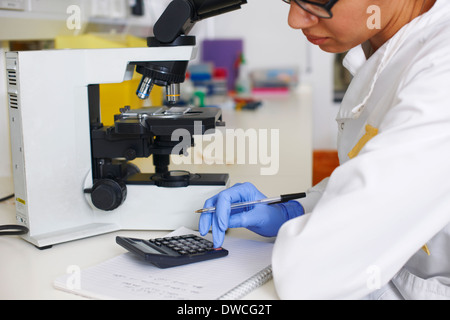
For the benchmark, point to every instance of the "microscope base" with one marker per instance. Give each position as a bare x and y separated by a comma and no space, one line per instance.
146,208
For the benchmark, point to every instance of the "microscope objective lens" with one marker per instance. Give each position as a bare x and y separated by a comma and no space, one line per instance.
173,93
145,87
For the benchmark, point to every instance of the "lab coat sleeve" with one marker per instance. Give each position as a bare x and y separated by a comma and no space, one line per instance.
379,208
313,196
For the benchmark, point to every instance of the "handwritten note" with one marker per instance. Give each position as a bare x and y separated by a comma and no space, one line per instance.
128,277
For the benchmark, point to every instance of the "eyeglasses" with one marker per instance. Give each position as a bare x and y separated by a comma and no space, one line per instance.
320,8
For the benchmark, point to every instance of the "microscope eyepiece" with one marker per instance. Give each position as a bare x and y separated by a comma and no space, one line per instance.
180,16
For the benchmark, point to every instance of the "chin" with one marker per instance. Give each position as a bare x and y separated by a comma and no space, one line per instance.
334,49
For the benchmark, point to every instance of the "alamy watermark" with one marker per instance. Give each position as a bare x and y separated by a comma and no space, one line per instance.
374,277
73,281
73,22
374,21
234,146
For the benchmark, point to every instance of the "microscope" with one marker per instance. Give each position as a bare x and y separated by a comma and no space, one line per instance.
73,176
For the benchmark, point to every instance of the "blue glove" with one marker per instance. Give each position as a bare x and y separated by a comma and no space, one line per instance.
262,219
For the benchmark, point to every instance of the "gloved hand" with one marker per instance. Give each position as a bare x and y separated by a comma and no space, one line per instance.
262,219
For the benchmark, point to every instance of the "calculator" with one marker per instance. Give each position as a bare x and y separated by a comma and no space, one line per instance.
173,251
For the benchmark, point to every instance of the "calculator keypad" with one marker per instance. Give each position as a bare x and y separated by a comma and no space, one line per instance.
184,245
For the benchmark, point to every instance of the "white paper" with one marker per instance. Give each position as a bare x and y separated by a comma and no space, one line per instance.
128,277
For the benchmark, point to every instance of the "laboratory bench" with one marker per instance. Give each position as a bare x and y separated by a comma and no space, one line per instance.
28,273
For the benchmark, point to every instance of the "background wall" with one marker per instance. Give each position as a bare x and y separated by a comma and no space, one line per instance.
270,42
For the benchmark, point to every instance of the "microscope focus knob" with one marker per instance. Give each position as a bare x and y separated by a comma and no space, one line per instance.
108,194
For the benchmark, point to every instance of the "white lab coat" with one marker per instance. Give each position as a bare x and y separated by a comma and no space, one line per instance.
365,225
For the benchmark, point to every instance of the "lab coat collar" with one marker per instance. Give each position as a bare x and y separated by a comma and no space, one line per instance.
358,56
354,60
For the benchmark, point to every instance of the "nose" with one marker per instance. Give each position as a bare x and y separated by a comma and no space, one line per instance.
299,18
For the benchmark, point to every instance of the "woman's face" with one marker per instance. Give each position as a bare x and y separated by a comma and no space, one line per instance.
354,22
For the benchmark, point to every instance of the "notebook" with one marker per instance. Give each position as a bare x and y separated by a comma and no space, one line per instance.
128,277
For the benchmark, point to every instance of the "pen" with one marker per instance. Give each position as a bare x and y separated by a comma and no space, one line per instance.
280,199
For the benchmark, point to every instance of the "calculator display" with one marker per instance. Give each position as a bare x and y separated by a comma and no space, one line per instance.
144,247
